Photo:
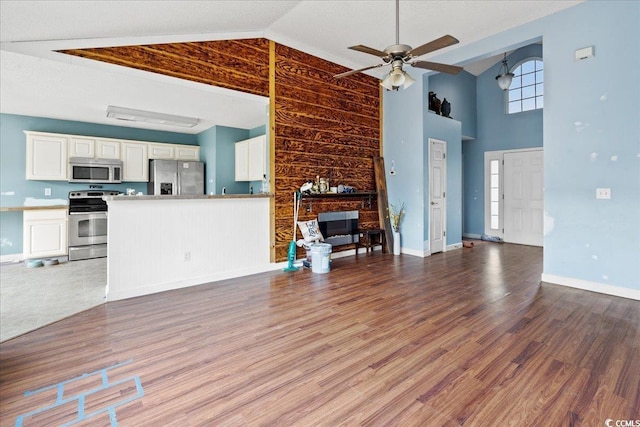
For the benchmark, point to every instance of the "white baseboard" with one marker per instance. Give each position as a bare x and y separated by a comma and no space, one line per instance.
413,252
11,258
195,281
586,285
472,236
454,246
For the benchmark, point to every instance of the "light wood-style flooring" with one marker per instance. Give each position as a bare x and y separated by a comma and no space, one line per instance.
468,337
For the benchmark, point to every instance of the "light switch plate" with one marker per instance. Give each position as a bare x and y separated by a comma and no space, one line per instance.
603,193
47,191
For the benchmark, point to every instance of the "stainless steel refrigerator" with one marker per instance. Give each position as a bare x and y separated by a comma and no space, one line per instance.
174,177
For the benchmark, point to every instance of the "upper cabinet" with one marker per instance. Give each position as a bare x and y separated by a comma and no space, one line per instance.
107,149
94,148
82,147
174,152
46,157
161,151
135,162
48,154
187,152
251,157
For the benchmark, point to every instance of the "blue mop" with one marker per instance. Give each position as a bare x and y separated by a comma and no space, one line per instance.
291,256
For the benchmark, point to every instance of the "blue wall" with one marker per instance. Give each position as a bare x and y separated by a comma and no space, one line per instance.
592,140
460,91
207,143
226,138
403,148
496,131
408,127
591,137
448,130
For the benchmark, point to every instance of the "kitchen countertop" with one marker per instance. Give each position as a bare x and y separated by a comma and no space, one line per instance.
31,208
122,198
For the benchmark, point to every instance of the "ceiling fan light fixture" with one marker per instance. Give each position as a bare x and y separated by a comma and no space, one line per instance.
408,80
386,82
397,77
505,77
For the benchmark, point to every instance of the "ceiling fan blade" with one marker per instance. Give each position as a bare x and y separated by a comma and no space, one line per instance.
348,73
435,66
436,44
369,50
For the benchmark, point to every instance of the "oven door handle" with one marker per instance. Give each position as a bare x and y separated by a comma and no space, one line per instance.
99,214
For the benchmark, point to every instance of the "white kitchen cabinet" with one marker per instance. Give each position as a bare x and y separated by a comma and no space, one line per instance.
93,148
251,159
48,154
161,151
135,162
46,157
44,233
187,152
107,149
174,152
82,147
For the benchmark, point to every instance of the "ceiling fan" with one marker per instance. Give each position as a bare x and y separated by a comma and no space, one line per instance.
399,54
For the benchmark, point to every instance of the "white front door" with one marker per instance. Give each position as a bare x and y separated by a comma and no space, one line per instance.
523,198
437,195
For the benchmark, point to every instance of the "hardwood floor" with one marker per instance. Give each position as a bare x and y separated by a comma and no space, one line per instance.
469,337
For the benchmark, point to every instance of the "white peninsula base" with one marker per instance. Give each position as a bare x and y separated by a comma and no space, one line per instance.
159,243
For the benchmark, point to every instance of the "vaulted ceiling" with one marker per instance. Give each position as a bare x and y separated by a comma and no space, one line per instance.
37,81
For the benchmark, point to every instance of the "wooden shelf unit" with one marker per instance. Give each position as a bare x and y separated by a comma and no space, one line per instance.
365,195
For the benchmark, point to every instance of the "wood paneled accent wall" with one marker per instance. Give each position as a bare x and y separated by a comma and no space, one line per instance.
320,126
241,65
324,127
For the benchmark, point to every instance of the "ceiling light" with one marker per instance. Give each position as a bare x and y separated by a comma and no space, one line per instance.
131,115
397,77
408,81
505,77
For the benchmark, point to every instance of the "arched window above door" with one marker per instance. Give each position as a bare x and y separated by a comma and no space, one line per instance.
526,91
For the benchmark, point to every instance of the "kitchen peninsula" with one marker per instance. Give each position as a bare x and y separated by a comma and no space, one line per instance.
158,243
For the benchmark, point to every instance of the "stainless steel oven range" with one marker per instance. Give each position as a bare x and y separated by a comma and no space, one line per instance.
88,224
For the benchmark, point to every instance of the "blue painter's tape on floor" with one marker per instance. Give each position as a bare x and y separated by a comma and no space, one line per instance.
81,397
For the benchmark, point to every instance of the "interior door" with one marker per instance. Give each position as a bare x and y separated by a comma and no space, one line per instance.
437,195
523,198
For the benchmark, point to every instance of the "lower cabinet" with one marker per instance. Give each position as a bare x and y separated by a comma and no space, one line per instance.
44,233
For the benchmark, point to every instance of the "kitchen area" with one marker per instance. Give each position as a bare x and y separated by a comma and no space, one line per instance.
68,248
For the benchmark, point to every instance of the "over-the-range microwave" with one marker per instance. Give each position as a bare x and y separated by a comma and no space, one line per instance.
83,169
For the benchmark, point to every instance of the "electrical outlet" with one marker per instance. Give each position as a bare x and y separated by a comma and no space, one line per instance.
187,256
47,191
603,193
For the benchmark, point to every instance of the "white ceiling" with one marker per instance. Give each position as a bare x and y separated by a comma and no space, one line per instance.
38,82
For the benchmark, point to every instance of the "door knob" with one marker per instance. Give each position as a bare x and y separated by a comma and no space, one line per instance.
433,203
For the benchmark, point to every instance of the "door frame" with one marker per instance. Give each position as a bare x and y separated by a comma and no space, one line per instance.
444,186
488,157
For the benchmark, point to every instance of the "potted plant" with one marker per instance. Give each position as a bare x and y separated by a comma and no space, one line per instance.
395,215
